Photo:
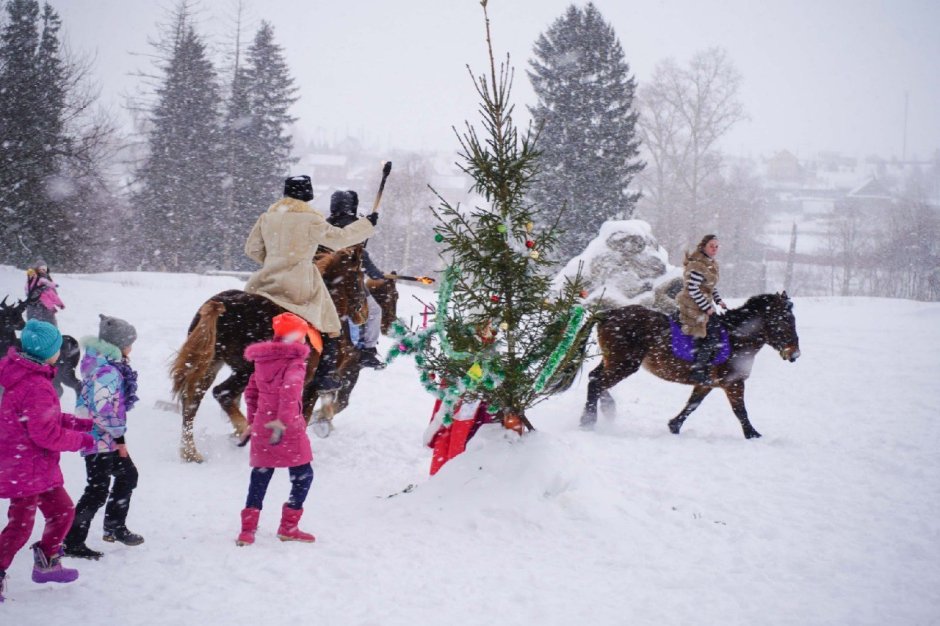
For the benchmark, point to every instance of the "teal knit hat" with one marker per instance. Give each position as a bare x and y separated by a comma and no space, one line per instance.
40,340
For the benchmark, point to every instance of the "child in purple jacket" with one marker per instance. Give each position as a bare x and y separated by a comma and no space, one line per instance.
33,430
277,429
109,387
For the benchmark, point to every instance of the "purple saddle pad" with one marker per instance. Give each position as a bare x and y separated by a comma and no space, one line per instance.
683,346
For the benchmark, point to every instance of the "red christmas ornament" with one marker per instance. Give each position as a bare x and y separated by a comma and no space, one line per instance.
494,299
584,293
529,243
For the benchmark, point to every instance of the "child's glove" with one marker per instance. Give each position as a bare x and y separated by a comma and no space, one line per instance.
88,441
277,428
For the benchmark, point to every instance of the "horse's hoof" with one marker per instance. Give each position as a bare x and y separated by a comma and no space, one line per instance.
188,451
588,421
322,428
675,426
752,434
191,456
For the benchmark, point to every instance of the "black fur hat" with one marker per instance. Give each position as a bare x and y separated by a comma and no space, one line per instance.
299,187
344,203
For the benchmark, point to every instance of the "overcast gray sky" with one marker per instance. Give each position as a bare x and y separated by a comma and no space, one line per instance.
818,74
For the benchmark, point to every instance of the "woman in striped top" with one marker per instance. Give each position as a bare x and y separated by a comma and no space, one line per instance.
699,301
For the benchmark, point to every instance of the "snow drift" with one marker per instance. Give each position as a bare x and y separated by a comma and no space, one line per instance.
831,518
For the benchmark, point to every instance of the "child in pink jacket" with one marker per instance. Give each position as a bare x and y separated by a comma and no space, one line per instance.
277,429
43,299
33,430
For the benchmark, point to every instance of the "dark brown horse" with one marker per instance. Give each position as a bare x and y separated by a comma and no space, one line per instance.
232,320
385,292
634,335
11,320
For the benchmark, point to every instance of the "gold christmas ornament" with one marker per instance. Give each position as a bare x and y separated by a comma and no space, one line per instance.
504,326
534,254
529,226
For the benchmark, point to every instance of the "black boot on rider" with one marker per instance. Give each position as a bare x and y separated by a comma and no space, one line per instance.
702,364
369,357
325,376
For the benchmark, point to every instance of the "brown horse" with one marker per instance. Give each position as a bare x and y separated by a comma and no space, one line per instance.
634,335
232,320
385,292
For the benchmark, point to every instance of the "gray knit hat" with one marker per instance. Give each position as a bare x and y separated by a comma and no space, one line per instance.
116,331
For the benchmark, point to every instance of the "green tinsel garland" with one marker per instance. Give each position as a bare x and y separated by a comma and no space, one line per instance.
561,350
479,372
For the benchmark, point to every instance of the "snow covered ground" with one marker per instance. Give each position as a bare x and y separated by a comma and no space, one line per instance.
832,518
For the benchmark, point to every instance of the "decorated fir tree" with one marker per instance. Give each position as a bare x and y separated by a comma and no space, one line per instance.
501,334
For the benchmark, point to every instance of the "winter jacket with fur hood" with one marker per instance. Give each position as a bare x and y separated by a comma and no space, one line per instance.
33,428
275,392
284,240
699,293
102,396
48,296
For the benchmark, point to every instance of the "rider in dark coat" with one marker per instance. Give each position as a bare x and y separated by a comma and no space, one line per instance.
343,207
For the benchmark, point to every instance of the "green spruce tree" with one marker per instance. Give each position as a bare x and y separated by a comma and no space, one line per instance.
588,125
237,137
33,143
502,333
257,133
181,183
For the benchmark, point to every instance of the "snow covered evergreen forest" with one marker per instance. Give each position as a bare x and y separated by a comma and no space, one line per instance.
142,166
138,145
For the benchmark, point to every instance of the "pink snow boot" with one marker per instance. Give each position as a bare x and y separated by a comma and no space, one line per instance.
49,569
288,530
249,525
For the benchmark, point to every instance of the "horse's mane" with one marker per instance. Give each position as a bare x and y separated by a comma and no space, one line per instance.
754,307
326,258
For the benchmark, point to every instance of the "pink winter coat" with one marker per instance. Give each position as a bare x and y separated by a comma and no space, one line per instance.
33,428
275,392
48,296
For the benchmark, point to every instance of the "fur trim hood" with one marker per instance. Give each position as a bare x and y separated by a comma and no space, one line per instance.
105,349
290,205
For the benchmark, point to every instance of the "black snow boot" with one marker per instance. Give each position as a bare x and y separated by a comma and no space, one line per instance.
702,364
369,357
122,535
81,551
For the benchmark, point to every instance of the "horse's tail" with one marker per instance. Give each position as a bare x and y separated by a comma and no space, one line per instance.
197,353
